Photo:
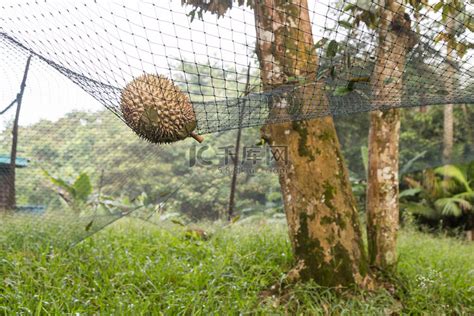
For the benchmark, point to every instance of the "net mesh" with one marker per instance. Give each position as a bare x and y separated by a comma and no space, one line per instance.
209,52
102,46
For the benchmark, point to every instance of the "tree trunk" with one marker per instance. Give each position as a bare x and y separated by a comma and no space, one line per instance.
448,121
233,183
11,198
448,133
320,208
469,128
387,89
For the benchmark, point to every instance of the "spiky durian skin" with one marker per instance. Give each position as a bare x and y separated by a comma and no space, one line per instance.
157,110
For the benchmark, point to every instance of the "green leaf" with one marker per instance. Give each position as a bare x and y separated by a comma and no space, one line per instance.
461,49
332,49
261,142
470,172
88,226
348,7
441,36
298,79
192,14
452,171
449,206
409,192
345,24
82,187
470,24
341,91
235,219
467,196
445,13
177,222
321,42
420,209
60,183
373,20
410,163
332,72
438,6
454,8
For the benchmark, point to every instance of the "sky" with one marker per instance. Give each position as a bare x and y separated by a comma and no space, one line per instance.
114,41
48,94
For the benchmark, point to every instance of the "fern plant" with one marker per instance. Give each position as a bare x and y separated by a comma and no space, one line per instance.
444,191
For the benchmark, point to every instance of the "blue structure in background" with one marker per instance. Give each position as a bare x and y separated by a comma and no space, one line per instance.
5,173
19,163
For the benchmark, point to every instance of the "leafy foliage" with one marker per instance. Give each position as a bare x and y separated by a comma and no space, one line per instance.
446,191
76,194
217,7
463,22
99,145
94,143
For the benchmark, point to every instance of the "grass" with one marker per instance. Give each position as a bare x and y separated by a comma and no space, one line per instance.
135,268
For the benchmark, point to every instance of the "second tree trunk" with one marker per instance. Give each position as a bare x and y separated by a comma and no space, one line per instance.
387,90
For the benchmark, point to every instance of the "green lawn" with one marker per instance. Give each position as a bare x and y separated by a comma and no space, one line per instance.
135,268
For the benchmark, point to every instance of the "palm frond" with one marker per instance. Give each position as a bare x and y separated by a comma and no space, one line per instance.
470,173
468,196
407,167
449,172
450,206
409,192
421,209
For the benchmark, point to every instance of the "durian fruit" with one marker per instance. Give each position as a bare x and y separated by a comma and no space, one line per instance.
157,110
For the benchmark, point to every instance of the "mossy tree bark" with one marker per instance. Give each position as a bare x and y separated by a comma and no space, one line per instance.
320,209
387,88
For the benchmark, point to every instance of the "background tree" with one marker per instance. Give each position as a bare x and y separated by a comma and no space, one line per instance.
456,21
91,141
